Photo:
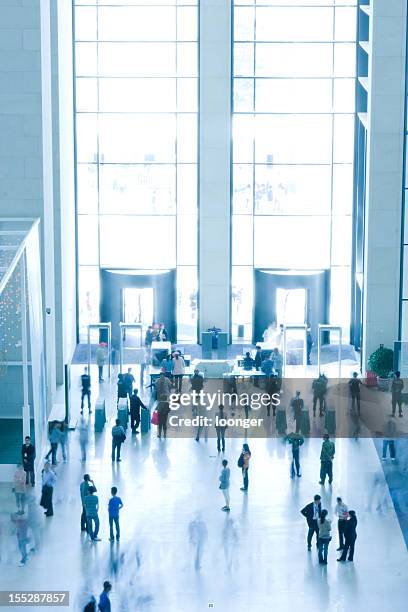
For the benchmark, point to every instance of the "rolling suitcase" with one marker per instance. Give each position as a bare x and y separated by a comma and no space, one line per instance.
144,420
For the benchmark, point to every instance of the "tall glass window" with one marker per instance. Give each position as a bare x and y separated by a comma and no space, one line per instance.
294,64
136,130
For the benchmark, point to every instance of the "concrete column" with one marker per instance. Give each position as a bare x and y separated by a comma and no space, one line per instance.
63,183
215,154
384,173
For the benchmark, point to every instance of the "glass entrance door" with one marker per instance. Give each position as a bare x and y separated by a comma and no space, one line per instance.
138,306
290,306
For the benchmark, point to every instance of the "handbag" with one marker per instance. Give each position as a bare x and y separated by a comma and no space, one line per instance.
155,418
241,461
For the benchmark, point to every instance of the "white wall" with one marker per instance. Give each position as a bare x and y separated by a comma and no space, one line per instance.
384,173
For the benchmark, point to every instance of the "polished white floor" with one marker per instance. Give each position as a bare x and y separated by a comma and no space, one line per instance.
253,559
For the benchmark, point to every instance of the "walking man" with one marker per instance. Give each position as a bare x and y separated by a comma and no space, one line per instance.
91,504
197,381
19,488
100,359
28,457
163,413
135,405
396,394
54,439
84,487
104,601
118,437
312,513
129,381
390,431
354,385
225,484
163,388
220,430
296,440
297,407
326,459
341,511
115,504
21,525
83,434
86,389
319,387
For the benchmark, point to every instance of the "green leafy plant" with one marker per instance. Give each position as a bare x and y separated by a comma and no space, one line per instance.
381,361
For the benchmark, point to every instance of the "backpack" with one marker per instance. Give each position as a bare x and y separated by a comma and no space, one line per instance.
241,461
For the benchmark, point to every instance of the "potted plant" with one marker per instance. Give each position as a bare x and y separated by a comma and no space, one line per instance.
381,363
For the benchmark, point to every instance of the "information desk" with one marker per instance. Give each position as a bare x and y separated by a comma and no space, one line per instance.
213,368
241,373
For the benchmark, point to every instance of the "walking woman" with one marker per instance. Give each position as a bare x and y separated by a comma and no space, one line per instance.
324,525
48,482
350,537
243,463
178,371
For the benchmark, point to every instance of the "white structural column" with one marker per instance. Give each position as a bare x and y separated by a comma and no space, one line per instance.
48,196
214,163
64,183
384,173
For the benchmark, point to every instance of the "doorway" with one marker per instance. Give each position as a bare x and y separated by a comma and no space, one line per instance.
138,305
137,308
291,306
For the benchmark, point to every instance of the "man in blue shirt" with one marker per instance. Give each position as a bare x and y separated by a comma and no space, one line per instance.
115,504
104,601
91,505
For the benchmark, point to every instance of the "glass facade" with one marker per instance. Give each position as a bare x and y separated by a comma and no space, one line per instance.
294,68
404,254
136,134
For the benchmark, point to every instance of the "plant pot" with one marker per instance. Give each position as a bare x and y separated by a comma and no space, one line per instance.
383,383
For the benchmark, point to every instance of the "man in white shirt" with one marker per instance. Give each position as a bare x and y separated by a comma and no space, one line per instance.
341,511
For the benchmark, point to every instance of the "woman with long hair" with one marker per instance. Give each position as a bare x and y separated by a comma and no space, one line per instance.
324,525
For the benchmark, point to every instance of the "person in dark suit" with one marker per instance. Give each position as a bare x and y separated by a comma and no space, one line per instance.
28,457
135,405
122,387
350,534
129,381
258,358
312,512
86,389
354,386
297,405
